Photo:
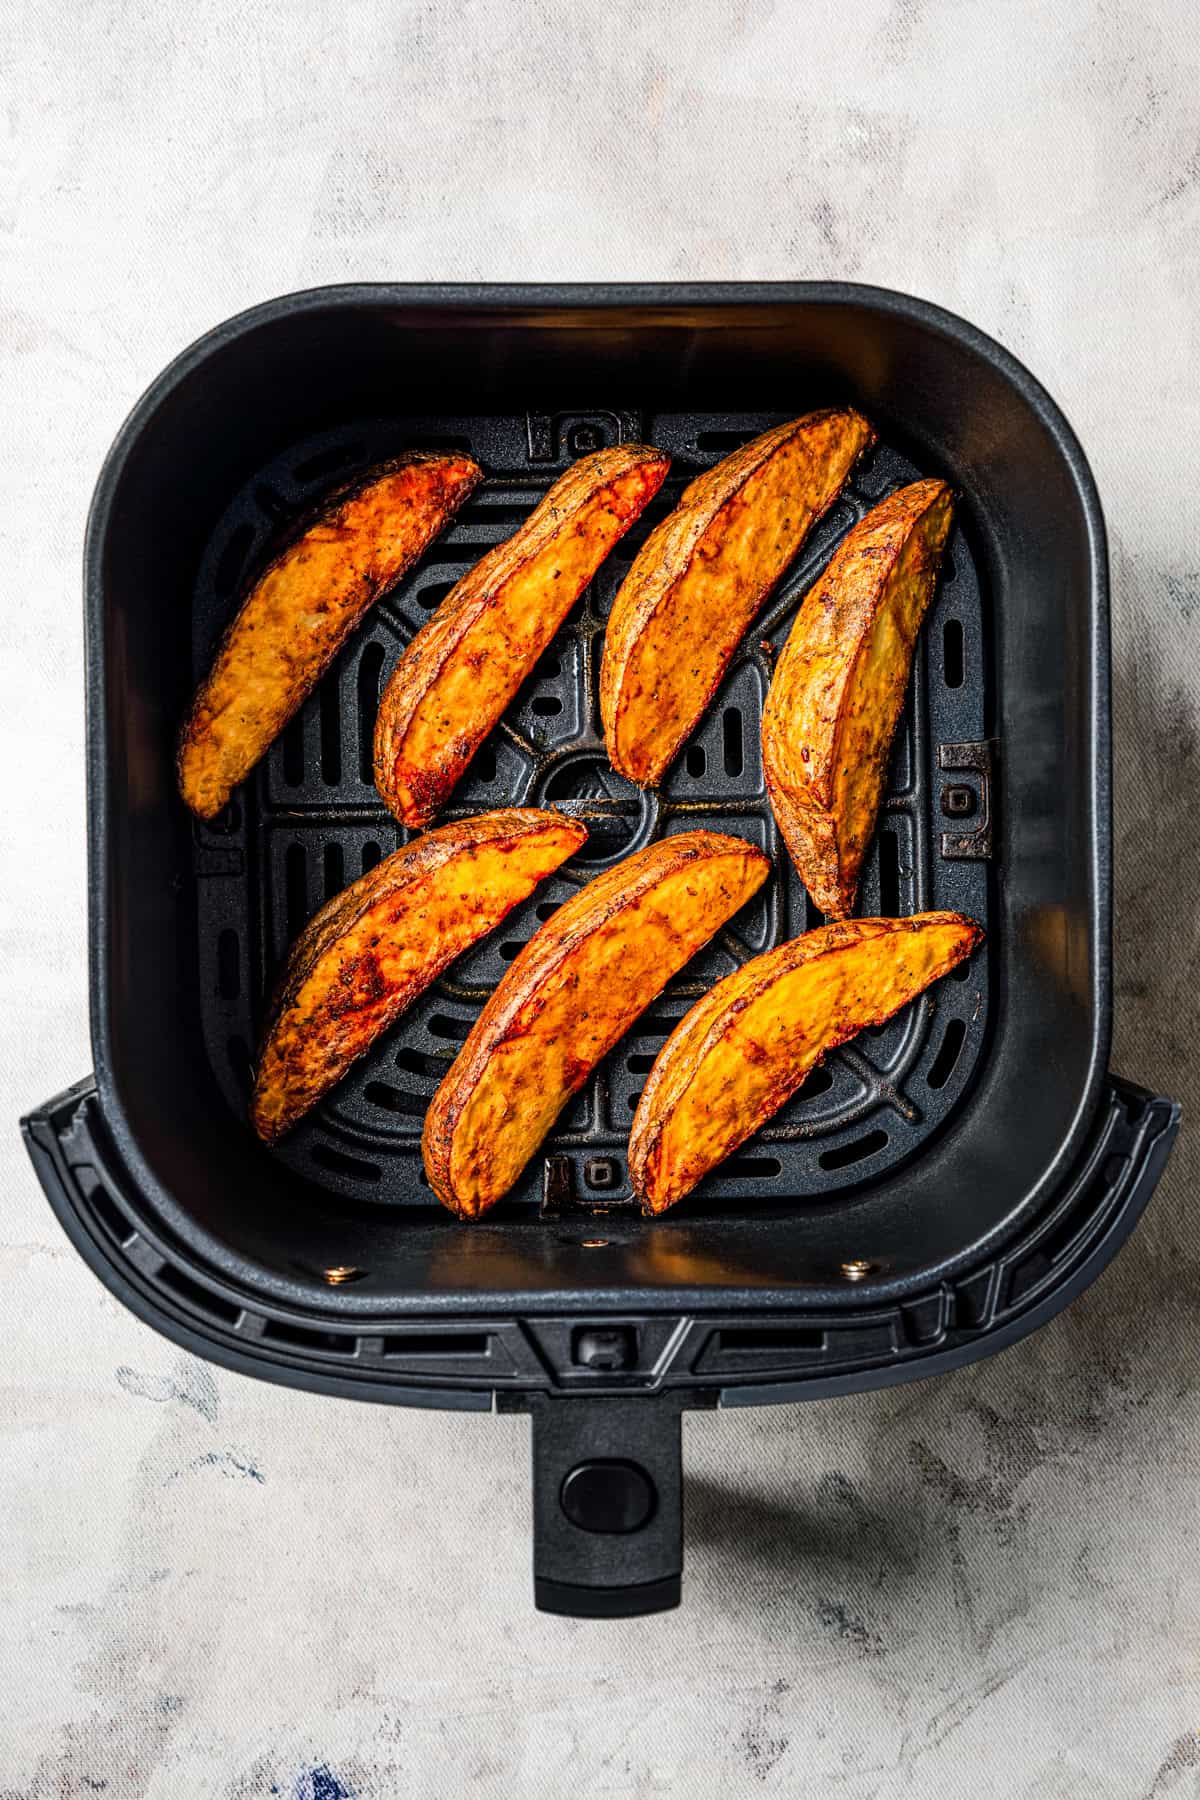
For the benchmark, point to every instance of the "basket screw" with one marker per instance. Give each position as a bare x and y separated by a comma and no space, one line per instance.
857,1271
338,1277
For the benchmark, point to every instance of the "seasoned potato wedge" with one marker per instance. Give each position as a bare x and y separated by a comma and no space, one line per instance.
578,984
465,664
301,610
368,954
703,574
838,689
745,1048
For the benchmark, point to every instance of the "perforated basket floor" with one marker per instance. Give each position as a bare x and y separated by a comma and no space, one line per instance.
309,821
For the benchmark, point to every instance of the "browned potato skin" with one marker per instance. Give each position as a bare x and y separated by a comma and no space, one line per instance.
466,663
703,574
368,954
578,984
745,1048
838,689
302,609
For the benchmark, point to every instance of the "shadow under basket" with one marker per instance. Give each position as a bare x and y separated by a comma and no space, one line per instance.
940,1187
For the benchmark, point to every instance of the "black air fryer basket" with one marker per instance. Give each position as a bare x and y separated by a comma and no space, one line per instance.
940,1188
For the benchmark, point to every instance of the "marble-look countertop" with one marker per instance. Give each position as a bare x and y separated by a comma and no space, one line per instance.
985,1584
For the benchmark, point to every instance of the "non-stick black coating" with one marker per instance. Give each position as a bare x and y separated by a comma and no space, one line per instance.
310,364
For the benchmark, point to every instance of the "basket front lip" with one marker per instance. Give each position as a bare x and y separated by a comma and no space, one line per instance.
549,299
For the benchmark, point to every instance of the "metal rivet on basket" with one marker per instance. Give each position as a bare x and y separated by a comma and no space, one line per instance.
595,1243
857,1271
340,1276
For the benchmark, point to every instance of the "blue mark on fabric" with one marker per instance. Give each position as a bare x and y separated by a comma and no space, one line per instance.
320,1784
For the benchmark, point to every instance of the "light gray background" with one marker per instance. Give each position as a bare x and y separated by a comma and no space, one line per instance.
986,1585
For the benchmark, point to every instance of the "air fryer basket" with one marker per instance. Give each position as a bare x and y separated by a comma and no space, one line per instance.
943,1186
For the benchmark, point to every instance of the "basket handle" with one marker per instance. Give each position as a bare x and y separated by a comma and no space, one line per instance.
607,1505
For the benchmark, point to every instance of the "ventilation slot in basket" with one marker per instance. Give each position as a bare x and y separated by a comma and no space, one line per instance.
769,1337
395,1100
889,875
856,1151
724,441
370,668
752,1168
455,1031
438,1343
200,1298
105,1208
338,1163
293,752
943,1063
432,1067
731,731
430,598
335,870
304,1337
296,871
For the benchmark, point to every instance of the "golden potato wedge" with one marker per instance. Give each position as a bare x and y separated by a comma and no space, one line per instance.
743,1050
838,689
703,574
578,984
465,664
301,610
368,954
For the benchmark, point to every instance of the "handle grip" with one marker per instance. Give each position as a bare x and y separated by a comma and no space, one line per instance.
607,1505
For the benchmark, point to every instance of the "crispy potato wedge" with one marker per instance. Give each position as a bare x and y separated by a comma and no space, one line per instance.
745,1048
301,610
578,984
703,574
368,954
464,666
838,689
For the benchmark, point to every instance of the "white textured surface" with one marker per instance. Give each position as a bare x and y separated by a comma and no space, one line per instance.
988,1584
